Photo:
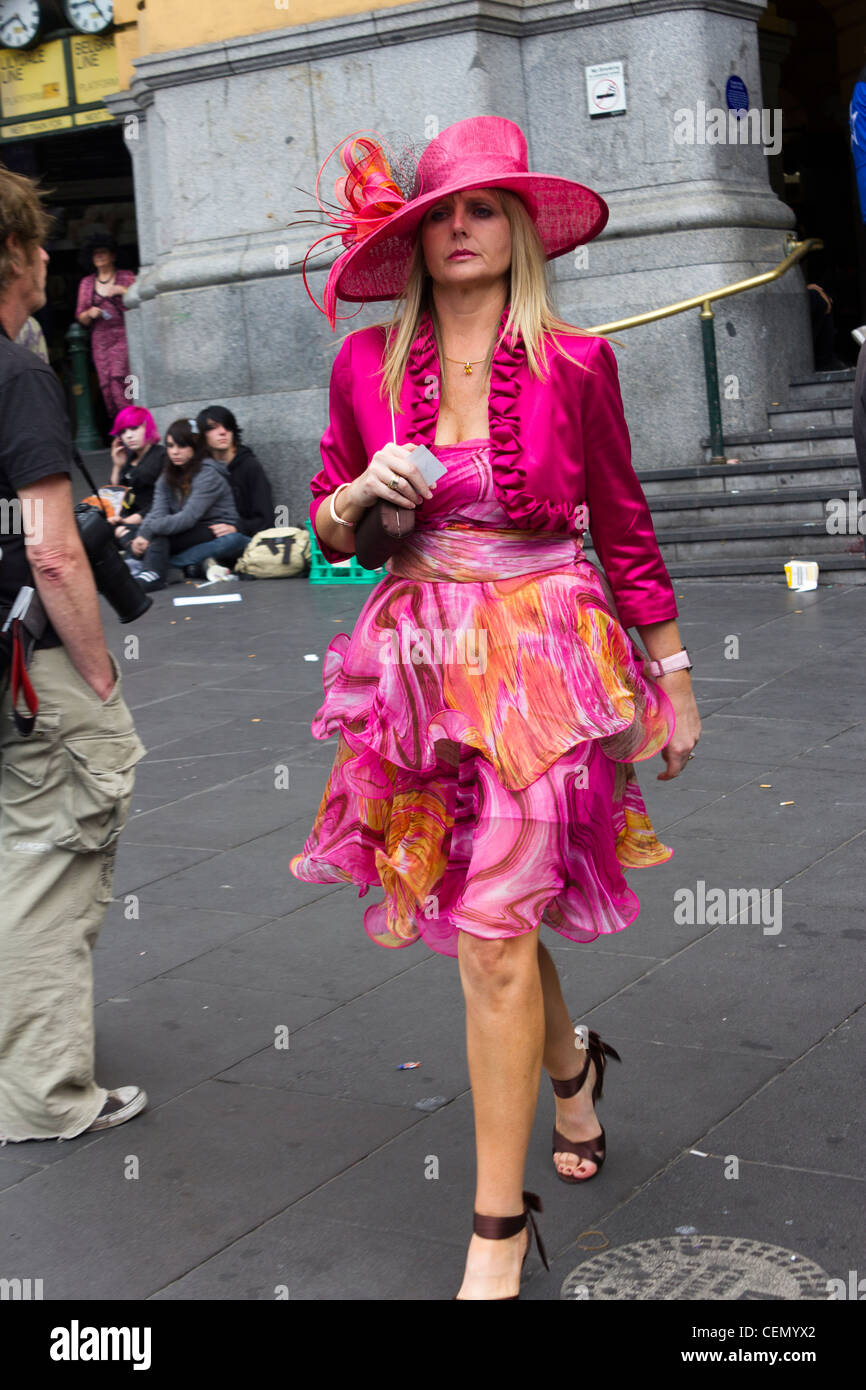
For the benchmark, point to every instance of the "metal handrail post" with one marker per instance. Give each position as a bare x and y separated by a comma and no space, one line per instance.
711,374
86,435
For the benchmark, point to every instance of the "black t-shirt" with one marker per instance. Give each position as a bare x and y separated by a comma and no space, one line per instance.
35,443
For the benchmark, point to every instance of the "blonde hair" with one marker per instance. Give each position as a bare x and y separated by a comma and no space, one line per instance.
530,312
22,216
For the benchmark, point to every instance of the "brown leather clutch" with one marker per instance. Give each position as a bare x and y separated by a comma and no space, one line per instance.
381,530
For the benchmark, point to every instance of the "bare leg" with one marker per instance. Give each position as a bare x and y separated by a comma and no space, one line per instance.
505,1025
575,1117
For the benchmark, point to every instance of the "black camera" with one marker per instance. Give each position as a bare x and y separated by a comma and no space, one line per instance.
113,579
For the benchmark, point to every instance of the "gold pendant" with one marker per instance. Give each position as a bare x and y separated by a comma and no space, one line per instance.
467,370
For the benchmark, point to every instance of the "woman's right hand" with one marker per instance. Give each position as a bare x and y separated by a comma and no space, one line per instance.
394,460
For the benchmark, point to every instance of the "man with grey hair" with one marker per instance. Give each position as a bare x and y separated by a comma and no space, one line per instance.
68,747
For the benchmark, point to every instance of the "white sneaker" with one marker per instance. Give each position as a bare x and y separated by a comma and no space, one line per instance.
216,573
120,1105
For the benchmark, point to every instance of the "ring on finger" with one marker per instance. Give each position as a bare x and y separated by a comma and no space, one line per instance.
396,482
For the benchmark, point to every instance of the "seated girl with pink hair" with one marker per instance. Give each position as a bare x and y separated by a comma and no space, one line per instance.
137,459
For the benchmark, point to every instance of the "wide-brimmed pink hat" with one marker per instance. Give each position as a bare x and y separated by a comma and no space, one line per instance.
378,223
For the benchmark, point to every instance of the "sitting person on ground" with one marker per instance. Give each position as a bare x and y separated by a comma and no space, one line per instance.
253,496
137,459
192,495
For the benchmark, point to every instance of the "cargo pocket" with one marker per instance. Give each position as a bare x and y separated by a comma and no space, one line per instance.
97,791
26,762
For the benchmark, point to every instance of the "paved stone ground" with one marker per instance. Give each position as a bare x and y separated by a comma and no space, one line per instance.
261,1167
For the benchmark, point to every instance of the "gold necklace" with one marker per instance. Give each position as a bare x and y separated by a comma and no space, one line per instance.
467,365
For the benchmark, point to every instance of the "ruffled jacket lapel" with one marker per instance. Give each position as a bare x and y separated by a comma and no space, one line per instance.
420,403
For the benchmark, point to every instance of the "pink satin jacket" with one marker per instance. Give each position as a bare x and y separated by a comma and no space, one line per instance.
555,446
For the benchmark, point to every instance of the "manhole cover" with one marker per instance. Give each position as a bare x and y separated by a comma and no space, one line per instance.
691,1267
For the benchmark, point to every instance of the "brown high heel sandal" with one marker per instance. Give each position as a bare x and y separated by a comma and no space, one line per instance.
500,1228
591,1149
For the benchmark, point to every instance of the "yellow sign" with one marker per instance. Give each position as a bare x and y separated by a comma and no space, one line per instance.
33,81
94,62
93,117
22,128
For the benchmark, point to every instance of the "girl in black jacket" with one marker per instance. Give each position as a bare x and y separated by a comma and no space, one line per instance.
253,496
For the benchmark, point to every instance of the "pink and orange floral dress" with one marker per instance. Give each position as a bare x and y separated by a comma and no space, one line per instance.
488,709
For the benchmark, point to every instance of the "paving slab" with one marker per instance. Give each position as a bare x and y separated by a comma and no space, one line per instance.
140,941
842,752
822,1091
254,876
701,785
729,733
250,806
137,865
212,1165
837,880
315,951
311,1258
739,989
168,1035
660,930
801,805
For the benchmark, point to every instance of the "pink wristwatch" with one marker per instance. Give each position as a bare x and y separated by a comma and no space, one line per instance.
678,662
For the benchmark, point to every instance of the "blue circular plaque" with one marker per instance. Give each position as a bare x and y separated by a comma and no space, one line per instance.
736,94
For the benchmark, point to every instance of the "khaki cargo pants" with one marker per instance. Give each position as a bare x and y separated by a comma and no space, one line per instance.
65,794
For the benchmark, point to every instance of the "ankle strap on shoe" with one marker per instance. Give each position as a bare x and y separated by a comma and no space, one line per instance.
572,1084
501,1227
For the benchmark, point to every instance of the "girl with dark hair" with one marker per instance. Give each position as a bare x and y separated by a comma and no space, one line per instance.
100,308
192,493
253,496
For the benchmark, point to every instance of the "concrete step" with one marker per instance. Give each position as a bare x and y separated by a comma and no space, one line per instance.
821,441
810,416
718,543
833,569
791,505
820,386
839,472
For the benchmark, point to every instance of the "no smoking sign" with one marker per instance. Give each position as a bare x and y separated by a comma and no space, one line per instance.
605,89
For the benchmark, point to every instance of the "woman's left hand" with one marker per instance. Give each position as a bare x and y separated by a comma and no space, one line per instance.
139,545
222,528
678,688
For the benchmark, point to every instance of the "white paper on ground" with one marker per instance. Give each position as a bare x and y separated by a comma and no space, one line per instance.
208,598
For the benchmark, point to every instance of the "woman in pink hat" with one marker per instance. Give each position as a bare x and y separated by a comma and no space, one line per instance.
490,703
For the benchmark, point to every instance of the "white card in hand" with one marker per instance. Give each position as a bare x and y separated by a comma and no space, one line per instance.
427,464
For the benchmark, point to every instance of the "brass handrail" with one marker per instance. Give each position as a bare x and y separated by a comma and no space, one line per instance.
796,250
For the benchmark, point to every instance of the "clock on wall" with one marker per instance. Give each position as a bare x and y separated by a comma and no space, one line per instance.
89,16
20,22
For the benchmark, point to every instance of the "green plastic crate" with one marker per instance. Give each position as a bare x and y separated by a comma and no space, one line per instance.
348,571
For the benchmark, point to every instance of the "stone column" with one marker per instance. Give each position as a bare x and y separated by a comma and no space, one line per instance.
231,132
